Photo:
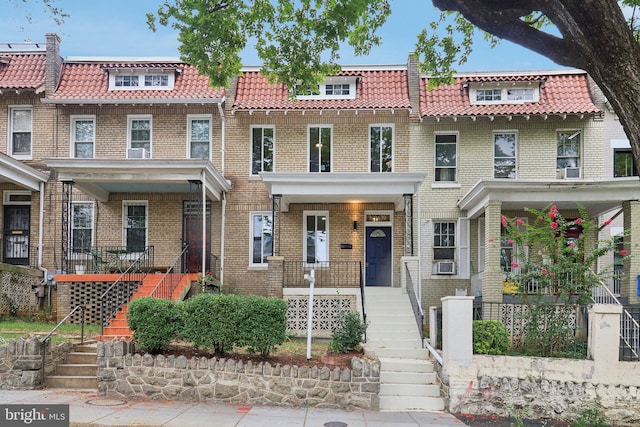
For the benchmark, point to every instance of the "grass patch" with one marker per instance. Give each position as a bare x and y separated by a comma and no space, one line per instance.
12,328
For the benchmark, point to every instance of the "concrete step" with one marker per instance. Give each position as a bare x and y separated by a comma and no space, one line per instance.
376,334
82,358
405,365
392,328
75,369
74,382
424,390
391,319
401,353
411,403
393,343
407,377
87,347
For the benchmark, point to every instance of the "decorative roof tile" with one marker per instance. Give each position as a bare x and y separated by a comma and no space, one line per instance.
22,71
88,82
376,89
561,93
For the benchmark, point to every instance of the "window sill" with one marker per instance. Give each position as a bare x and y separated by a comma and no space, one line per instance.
257,267
254,178
22,156
445,185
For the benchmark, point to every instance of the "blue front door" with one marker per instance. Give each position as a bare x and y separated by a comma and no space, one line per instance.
378,256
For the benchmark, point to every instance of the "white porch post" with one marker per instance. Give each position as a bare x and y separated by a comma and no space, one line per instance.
457,329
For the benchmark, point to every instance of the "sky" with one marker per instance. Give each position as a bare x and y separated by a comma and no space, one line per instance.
118,28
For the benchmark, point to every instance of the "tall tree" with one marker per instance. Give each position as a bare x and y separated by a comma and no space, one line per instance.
299,40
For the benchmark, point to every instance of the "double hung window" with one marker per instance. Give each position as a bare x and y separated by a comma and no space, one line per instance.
504,155
199,136
444,240
261,237
135,225
262,145
320,149
316,227
20,131
83,134
446,147
381,148
81,227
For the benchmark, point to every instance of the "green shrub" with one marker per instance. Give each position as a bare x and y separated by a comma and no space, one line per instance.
153,321
263,323
348,334
212,321
490,337
590,418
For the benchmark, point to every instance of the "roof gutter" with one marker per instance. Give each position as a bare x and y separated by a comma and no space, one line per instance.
140,101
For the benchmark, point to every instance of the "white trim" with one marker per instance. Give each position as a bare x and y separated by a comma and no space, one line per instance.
273,150
72,137
141,74
192,117
127,203
457,142
130,119
6,197
504,88
579,131
252,214
333,80
306,214
620,143
321,126
393,138
515,73
515,133
12,108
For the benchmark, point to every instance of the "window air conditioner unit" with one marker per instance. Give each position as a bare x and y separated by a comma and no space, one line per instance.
572,173
446,267
137,153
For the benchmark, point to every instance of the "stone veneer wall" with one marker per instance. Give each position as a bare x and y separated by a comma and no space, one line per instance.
546,388
21,363
122,374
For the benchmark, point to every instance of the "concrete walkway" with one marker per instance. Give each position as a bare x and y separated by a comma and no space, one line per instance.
87,408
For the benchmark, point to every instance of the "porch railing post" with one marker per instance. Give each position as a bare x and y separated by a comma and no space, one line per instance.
276,201
67,198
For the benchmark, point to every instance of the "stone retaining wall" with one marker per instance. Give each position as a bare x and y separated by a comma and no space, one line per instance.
21,363
122,374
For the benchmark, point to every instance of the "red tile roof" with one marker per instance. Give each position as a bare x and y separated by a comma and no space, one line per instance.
88,82
22,71
382,88
561,93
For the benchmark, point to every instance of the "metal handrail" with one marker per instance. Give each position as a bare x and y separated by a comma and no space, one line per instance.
128,272
416,306
629,327
45,341
161,284
364,305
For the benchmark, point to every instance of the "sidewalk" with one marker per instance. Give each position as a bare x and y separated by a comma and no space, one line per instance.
91,409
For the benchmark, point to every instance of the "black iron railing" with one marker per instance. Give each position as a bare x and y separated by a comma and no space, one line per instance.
44,344
171,279
109,260
329,274
120,291
17,250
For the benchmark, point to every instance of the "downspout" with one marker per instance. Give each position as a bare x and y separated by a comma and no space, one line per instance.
224,195
40,230
204,226
419,231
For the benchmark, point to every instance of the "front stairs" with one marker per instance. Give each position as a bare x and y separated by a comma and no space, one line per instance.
78,371
118,329
407,378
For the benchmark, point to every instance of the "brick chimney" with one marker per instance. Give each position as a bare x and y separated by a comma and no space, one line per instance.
414,83
53,64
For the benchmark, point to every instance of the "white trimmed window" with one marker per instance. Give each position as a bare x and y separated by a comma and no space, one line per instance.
568,149
262,149
138,80
334,87
381,148
320,148
261,238
316,226
134,225
20,131
83,135
444,240
139,135
446,153
199,136
504,94
81,227
504,155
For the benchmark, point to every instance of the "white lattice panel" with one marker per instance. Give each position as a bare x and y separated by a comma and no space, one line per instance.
326,310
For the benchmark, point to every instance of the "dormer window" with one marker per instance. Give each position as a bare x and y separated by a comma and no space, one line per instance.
140,80
505,93
335,87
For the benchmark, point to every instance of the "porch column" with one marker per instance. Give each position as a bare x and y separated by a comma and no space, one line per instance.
276,210
67,198
492,277
408,224
275,276
631,269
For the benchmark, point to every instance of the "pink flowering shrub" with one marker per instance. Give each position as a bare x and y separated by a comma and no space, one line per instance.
553,254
